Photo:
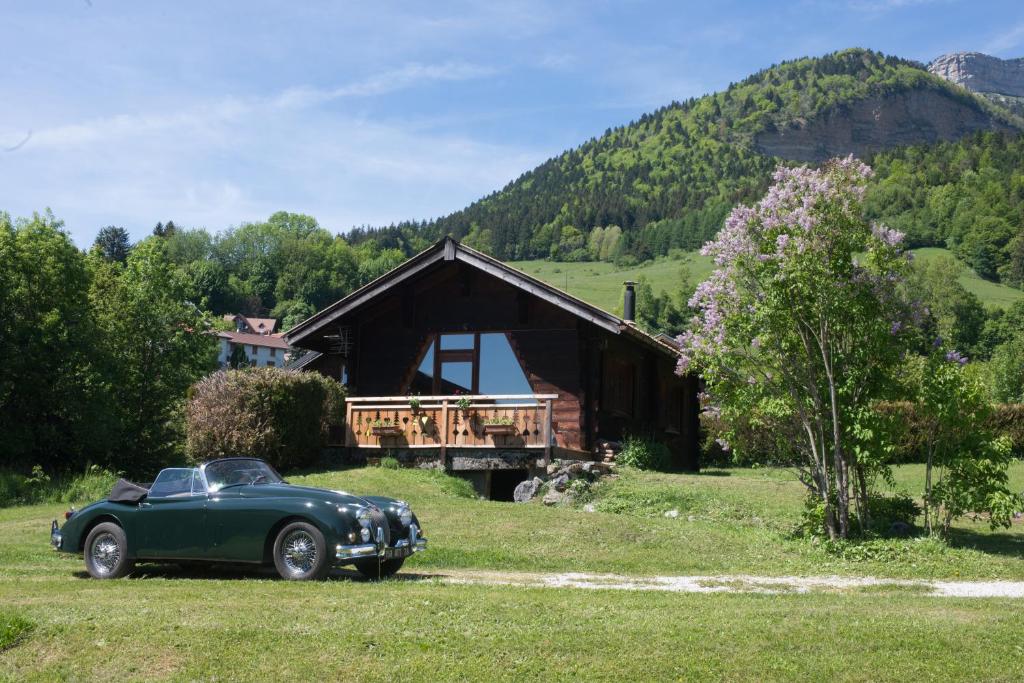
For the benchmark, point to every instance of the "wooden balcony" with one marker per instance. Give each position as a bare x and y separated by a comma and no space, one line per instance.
507,421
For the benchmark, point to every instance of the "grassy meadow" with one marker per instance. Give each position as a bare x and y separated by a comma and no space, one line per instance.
165,623
600,283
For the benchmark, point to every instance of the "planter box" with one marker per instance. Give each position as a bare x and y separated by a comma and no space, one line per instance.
500,430
387,430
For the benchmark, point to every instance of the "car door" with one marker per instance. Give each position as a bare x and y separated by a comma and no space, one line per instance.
238,524
171,523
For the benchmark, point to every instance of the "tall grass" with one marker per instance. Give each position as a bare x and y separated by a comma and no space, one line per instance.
17,488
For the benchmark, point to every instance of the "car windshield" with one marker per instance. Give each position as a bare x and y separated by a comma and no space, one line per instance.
241,472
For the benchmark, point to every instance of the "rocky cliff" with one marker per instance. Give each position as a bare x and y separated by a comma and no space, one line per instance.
982,73
874,124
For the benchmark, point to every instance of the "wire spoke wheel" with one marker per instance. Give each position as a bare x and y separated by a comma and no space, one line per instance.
298,552
106,552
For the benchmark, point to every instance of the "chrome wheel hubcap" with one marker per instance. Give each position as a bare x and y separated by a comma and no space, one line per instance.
105,553
298,552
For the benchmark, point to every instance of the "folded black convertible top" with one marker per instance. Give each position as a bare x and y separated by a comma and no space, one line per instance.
125,491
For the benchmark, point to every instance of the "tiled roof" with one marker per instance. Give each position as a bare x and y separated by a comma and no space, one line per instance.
257,325
273,341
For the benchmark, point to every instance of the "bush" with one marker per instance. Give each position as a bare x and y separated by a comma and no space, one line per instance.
281,416
883,511
389,463
912,430
644,454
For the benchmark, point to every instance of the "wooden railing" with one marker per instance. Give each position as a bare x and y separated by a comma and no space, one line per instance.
488,421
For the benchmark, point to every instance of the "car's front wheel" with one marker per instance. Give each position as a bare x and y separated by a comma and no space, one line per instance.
300,553
106,552
372,569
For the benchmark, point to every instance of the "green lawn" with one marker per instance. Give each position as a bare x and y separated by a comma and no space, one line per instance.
229,624
600,283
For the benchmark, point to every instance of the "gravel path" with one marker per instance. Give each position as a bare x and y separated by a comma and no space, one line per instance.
736,583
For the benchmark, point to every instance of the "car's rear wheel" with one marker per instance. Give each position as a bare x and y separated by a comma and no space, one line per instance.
106,552
372,569
300,553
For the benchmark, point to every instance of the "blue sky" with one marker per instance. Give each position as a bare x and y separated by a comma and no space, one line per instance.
216,113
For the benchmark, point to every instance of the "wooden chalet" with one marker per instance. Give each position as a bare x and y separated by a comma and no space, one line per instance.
457,360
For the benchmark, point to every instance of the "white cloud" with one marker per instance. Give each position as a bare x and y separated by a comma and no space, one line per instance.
218,163
1005,41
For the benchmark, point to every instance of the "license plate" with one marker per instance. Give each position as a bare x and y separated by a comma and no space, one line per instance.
394,553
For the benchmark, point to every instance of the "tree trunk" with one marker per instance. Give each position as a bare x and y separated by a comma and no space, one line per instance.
928,490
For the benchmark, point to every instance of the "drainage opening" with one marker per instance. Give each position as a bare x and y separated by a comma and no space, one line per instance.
504,482
494,484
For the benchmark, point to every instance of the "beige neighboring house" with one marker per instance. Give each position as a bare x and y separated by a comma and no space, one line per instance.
263,346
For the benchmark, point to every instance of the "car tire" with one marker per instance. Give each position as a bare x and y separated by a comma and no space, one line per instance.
372,569
106,552
300,553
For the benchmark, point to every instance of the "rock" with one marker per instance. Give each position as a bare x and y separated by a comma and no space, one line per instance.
553,497
981,73
552,468
526,490
672,514
691,518
900,529
589,507
561,482
872,124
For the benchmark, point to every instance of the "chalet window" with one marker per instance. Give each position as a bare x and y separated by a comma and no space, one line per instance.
479,363
617,395
273,352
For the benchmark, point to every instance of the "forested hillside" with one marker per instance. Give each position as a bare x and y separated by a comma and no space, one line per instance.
666,181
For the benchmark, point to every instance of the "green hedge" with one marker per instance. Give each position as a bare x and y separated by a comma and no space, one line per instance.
909,435
281,416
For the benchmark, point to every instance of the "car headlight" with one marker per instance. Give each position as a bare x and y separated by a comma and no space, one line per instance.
405,515
363,517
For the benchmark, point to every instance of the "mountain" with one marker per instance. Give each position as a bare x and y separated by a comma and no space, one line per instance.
667,180
1000,80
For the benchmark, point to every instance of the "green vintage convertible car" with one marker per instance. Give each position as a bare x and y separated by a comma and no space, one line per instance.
239,510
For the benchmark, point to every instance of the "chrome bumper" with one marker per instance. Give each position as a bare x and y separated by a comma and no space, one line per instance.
404,547
56,538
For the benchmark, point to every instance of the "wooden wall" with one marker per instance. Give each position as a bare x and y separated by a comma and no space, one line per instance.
560,354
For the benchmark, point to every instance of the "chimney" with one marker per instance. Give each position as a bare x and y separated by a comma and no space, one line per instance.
629,302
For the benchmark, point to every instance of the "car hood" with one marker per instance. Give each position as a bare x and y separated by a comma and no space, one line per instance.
308,492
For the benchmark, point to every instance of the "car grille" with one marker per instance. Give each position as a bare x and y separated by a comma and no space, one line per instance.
378,520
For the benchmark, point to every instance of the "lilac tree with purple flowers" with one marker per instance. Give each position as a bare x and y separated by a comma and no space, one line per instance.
802,323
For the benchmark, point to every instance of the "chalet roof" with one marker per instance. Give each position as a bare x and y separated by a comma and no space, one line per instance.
273,341
257,325
449,249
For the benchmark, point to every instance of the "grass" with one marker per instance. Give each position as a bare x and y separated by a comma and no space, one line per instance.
13,629
600,283
227,624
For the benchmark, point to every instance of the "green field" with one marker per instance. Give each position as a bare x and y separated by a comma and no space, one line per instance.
227,624
600,283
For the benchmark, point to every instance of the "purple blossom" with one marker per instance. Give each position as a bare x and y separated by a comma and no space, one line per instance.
896,327
956,357
888,236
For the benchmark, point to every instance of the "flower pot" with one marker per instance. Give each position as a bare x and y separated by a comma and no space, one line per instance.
500,430
386,430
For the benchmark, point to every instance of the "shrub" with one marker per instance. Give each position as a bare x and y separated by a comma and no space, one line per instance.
281,416
644,454
883,511
389,463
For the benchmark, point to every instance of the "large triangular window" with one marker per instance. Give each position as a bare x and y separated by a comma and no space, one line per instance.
470,363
